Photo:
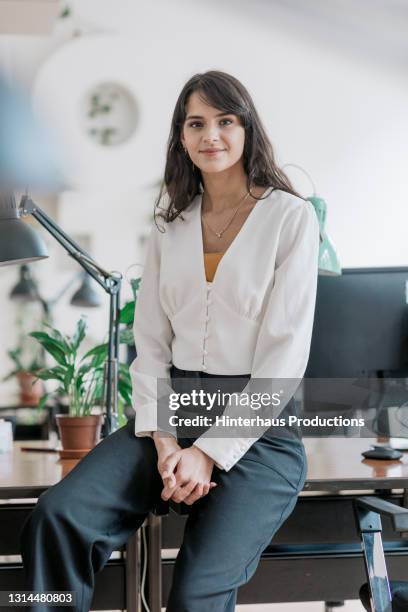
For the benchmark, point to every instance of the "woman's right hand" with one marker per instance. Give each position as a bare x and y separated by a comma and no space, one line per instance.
165,446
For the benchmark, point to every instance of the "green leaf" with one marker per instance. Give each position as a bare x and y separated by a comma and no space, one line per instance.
78,382
126,337
97,392
52,346
124,393
43,401
100,349
125,386
68,377
15,356
99,360
54,333
125,383
79,334
56,373
124,368
124,373
84,369
127,313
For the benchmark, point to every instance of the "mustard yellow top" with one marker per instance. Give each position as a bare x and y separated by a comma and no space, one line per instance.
211,261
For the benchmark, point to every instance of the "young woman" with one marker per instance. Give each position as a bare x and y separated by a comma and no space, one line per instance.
227,294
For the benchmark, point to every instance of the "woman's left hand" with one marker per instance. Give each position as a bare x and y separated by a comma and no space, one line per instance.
187,473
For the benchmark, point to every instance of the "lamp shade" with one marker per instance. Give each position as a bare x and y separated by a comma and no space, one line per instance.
25,289
19,243
328,260
85,296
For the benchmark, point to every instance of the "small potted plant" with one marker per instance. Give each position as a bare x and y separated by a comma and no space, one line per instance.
81,380
27,356
30,388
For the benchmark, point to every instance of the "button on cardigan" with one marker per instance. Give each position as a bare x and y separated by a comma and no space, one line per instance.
256,317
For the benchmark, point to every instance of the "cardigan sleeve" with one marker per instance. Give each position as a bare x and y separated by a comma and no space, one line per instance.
153,336
284,337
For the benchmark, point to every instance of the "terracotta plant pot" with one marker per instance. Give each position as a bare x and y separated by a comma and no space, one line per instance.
31,390
78,434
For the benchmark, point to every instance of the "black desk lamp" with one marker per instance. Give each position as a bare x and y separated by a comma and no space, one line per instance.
20,244
27,290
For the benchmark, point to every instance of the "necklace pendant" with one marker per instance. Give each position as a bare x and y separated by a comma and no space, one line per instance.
219,234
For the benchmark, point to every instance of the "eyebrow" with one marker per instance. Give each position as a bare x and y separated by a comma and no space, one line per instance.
200,117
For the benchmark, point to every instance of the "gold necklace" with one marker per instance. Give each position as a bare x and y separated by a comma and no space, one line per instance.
220,233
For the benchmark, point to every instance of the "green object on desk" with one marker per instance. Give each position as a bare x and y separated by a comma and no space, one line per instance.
328,261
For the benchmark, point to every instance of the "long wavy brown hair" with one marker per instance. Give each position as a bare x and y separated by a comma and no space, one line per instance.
182,179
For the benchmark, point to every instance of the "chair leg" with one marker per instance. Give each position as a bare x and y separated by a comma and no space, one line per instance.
154,562
133,603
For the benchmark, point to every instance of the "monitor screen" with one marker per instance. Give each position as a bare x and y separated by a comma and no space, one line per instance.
361,324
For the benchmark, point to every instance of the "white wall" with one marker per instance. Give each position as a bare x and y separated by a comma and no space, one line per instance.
330,85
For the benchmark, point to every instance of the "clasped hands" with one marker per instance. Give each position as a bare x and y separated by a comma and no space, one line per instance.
186,473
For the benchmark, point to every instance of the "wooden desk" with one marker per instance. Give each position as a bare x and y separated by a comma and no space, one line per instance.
333,464
319,538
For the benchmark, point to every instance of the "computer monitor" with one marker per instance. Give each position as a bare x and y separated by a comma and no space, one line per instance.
360,337
361,324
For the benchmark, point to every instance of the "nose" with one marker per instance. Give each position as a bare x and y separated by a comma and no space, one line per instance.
211,135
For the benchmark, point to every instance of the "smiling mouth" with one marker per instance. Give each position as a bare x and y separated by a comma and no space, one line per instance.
212,151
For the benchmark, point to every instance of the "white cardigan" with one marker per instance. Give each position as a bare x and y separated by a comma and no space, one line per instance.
255,317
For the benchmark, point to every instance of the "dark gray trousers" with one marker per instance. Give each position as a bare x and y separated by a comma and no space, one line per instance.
78,522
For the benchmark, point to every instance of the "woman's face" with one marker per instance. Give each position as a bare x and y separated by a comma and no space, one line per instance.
214,140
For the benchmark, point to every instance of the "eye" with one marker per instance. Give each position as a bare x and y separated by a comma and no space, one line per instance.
194,124
226,121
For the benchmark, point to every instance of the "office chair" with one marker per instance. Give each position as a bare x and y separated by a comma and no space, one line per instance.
379,594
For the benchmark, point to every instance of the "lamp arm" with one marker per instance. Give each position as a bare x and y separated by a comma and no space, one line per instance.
29,207
112,364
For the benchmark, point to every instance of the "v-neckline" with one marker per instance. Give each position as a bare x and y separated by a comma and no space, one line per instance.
227,252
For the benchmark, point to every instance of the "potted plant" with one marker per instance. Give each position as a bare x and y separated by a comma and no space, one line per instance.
31,389
81,380
27,356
